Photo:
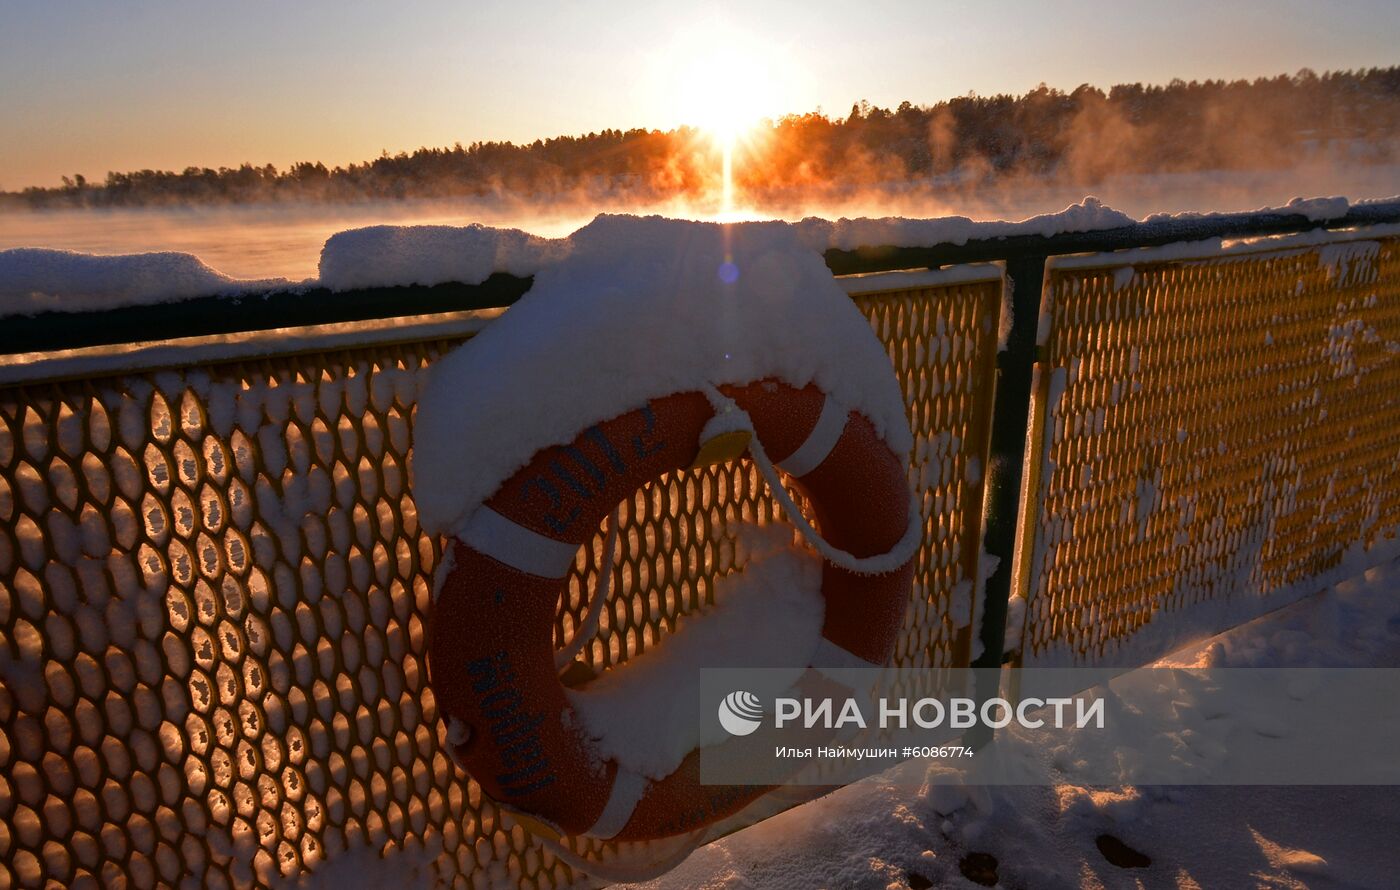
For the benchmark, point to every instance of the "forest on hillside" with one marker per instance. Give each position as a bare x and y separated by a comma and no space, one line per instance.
1083,135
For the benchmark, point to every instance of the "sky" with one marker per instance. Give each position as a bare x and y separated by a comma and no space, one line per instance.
87,87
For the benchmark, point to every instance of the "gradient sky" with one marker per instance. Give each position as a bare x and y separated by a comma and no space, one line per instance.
104,85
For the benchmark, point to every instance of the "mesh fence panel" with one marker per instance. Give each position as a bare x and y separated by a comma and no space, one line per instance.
1215,437
214,591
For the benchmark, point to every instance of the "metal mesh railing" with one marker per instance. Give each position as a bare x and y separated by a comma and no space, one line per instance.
214,589
1211,437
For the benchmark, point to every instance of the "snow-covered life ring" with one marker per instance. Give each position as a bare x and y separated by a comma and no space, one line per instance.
491,649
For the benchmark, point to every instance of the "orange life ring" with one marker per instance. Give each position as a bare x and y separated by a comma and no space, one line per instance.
491,647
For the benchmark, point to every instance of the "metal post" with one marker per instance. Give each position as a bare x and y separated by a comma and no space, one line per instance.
1025,277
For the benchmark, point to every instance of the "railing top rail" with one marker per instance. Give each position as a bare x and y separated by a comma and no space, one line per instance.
204,316
1155,233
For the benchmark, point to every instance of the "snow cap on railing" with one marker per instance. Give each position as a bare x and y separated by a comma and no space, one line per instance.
637,310
35,279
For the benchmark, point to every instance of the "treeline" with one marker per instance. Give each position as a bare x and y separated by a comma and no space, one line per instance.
1348,116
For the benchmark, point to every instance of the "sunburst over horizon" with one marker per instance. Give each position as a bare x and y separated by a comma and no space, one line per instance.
725,83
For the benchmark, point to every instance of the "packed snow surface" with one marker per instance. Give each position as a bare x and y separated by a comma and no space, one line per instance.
386,256
640,309
34,279
847,234
911,827
1315,209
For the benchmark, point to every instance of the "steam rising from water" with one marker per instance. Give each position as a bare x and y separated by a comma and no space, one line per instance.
285,240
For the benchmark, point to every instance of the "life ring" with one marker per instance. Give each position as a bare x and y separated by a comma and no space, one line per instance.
491,647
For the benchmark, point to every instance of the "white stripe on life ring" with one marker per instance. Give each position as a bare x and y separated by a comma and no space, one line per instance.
626,793
835,663
511,543
831,423
830,657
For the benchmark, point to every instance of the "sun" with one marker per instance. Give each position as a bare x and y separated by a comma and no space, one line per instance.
719,78
723,80
725,94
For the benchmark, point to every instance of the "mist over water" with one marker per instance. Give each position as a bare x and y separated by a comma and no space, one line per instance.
259,241
255,241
